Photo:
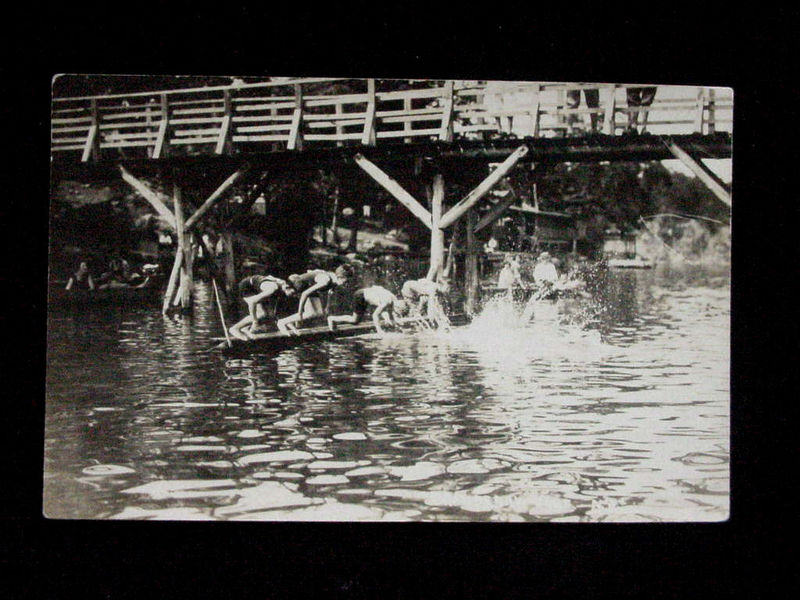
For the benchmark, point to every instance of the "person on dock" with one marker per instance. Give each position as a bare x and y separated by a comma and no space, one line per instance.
545,275
81,279
422,293
382,301
256,290
311,285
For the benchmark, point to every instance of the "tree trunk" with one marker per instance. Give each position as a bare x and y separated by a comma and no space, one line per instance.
335,218
352,245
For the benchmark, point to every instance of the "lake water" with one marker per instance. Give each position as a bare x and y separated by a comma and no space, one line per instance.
614,408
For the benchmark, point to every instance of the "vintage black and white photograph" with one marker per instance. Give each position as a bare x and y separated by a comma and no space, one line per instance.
397,300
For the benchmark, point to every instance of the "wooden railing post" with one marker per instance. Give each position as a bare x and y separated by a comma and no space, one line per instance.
407,124
162,143
91,149
339,128
535,113
296,134
609,120
223,141
368,137
711,117
698,119
446,128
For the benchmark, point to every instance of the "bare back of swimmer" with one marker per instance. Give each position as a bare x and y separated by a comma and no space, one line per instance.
255,291
382,302
311,285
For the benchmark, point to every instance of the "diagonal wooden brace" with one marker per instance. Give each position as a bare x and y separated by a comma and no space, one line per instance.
452,215
698,169
497,211
215,196
394,188
149,195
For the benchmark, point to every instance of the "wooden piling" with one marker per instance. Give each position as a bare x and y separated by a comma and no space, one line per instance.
229,265
173,278
471,277
437,235
185,289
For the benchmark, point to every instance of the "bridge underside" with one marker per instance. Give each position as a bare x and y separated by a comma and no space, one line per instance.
593,148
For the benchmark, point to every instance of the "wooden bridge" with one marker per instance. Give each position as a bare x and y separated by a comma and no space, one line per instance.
322,114
301,123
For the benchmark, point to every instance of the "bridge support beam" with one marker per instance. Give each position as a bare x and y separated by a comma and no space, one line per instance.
185,247
437,235
437,220
152,197
471,274
712,182
395,189
483,188
497,211
180,286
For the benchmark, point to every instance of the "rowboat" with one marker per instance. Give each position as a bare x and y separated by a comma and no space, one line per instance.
277,340
58,296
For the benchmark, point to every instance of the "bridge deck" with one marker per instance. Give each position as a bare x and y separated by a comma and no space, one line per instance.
304,118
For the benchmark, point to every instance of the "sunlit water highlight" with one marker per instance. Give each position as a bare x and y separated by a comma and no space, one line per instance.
611,409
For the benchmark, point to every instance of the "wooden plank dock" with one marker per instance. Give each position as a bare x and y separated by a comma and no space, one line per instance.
276,340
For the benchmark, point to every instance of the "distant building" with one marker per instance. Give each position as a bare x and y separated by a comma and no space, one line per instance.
618,244
548,230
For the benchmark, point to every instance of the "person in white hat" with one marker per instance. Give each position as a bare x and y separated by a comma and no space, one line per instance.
544,273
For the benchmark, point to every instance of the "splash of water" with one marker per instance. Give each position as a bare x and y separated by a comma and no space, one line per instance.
511,333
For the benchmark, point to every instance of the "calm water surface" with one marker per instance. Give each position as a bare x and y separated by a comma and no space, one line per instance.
610,409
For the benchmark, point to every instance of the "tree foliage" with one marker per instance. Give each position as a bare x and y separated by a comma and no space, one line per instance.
622,192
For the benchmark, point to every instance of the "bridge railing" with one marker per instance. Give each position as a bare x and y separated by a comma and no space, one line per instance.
294,114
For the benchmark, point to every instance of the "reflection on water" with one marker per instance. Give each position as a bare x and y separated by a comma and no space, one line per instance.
615,409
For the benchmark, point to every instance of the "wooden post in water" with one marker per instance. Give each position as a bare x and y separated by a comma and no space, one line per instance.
437,235
184,247
229,264
471,278
173,278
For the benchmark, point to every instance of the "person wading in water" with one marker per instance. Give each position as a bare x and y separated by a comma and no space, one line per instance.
382,300
81,279
310,285
255,291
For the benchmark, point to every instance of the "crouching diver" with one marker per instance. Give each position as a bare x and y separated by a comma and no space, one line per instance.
311,286
380,300
256,290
